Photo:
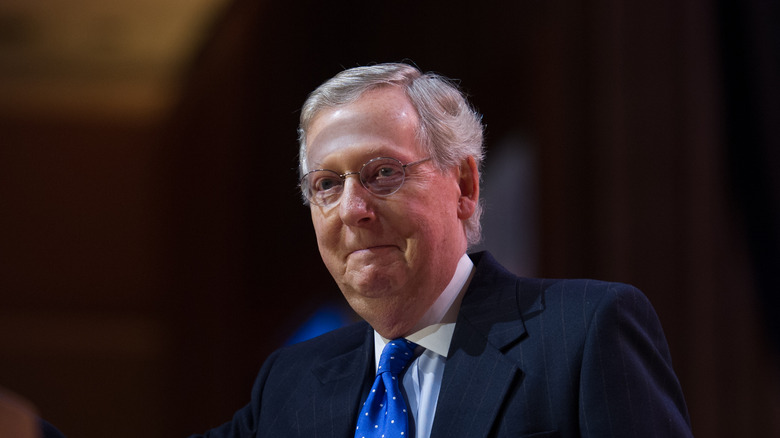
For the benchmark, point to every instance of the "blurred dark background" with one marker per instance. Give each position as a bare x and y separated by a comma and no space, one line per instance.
153,248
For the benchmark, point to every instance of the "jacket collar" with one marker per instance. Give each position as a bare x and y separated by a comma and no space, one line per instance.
345,380
478,375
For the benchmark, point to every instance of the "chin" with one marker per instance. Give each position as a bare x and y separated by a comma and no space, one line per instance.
374,282
374,289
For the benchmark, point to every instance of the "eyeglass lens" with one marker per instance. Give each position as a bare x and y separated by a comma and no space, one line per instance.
380,176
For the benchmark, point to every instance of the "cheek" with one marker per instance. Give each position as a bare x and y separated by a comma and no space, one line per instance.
320,229
326,232
440,226
318,220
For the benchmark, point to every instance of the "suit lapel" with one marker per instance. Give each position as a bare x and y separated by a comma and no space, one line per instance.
343,380
478,374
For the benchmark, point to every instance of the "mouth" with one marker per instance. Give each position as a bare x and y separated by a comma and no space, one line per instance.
374,249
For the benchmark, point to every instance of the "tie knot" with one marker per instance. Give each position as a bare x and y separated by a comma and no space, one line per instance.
395,356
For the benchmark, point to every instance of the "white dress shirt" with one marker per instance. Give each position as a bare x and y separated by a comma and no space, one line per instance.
422,379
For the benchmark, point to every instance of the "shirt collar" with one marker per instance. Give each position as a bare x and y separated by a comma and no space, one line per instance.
438,323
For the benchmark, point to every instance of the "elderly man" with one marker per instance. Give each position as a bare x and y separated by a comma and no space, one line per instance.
452,345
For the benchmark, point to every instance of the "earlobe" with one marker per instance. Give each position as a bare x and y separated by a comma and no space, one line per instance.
468,181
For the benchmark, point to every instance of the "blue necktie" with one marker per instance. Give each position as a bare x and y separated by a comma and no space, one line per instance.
384,412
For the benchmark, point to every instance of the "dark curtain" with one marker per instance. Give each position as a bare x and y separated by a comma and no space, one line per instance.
750,39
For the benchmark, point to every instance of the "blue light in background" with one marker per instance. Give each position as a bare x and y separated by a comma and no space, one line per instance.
325,319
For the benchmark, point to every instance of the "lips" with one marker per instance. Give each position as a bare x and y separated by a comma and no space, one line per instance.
374,249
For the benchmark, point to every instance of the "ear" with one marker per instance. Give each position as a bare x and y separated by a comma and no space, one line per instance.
468,181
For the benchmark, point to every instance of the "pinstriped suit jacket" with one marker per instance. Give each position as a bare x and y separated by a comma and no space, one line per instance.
529,358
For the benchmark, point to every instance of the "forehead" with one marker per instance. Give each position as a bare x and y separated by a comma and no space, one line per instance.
381,122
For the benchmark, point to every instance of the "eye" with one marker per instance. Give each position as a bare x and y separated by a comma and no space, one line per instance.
383,175
324,181
325,184
383,172
387,172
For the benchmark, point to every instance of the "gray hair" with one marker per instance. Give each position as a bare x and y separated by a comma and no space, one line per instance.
450,129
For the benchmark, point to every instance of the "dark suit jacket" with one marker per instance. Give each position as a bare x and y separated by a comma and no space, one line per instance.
529,358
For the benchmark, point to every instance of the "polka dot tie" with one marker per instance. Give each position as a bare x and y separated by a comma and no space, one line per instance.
384,412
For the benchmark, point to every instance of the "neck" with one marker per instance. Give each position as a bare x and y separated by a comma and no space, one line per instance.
443,309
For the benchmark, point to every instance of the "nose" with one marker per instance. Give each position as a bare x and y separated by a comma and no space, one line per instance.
355,206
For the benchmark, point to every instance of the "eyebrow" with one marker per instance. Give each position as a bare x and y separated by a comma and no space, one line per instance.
367,157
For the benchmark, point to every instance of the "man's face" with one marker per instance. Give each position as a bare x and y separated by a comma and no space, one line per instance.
391,256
